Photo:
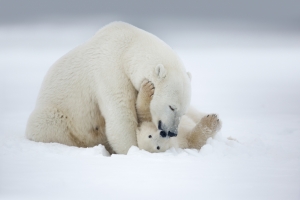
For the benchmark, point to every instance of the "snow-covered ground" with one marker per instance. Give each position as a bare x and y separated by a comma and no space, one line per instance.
250,77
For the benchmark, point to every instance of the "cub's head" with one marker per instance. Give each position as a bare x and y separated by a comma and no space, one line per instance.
149,138
171,98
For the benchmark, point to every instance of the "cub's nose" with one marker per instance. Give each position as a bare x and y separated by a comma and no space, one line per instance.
163,134
171,134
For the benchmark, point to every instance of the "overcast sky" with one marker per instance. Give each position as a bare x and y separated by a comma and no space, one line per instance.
281,13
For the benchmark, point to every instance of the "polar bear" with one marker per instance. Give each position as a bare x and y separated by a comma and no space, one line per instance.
88,96
194,127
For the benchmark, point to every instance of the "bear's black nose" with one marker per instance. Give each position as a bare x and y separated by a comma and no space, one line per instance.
163,134
171,134
158,147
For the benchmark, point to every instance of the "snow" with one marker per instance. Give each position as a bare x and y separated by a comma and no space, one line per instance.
249,77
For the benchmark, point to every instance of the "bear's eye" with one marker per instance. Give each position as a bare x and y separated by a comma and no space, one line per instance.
157,147
150,136
171,108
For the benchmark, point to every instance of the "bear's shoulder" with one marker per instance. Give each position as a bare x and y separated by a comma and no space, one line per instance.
116,27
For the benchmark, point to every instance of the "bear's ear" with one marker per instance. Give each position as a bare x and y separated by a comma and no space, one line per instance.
189,75
160,71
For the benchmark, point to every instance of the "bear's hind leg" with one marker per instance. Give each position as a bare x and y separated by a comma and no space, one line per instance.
50,125
206,128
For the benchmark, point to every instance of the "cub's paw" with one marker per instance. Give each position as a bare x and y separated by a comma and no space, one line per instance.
210,124
147,89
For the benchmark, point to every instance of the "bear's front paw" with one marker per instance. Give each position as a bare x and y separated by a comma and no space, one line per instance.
147,89
210,124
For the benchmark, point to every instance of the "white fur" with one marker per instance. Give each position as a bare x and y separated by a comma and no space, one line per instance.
88,96
194,129
149,139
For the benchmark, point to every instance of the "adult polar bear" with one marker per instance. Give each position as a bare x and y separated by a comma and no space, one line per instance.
88,96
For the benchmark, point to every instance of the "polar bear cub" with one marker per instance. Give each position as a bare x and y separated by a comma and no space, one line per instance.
194,127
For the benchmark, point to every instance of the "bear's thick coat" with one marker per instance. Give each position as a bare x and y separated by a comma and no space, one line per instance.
194,127
88,96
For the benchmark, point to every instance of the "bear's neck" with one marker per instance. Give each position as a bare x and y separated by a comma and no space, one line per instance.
137,74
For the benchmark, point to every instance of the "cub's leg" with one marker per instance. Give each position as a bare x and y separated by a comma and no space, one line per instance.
206,128
143,101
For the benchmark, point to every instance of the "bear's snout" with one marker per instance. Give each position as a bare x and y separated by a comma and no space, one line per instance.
163,134
171,134
159,125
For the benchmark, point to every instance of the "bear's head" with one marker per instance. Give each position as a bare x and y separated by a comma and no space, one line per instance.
171,98
149,138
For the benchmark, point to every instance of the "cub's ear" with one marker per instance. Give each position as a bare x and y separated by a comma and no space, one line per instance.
189,75
160,71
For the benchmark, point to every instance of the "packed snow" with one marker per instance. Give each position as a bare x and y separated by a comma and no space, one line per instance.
248,76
